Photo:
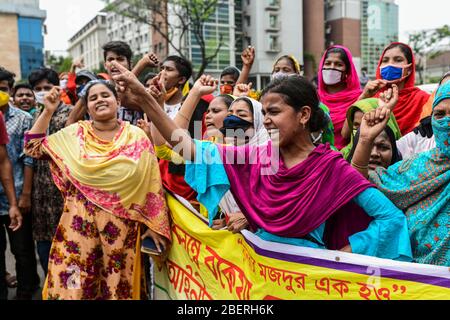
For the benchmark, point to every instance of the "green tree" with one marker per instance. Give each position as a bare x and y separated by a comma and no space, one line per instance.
425,45
187,22
59,63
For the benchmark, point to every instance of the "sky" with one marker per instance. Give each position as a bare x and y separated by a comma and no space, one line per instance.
66,17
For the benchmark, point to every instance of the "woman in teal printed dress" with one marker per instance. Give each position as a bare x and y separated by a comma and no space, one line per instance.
420,186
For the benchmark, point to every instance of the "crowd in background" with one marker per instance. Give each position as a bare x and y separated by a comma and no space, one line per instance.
345,163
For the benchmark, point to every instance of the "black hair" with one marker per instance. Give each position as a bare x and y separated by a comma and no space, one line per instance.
92,84
298,92
183,66
247,101
404,49
6,75
21,86
396,155
231,71
342,55
291,61
149,76
40,74
120,48
227,99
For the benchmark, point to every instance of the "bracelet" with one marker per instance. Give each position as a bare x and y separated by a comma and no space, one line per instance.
360,167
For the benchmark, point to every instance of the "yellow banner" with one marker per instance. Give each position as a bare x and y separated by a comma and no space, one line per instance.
204,264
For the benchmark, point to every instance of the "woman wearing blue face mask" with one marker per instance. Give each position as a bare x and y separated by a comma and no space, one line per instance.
397,66
420,186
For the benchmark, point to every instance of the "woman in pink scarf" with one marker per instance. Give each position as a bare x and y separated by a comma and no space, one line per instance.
288,188
339,87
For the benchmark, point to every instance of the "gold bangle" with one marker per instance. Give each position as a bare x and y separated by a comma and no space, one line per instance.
360,167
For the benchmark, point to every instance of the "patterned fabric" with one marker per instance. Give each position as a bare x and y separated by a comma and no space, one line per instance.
93,253
420,186
17,123
47,202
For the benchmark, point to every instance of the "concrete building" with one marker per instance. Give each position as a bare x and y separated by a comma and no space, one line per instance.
120,28
379,27
88,42
274,28
363,26
22,36
313,35
221,25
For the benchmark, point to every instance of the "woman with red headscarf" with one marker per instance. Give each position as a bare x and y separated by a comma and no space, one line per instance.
339,87
397,66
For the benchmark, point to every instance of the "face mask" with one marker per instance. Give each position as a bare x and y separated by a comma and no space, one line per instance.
279,75
232,123
441,129
391,73
40,97
171,93
226,89
4,98
63,84
331,76
80,89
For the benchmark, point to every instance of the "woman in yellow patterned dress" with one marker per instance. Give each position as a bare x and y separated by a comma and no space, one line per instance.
109,176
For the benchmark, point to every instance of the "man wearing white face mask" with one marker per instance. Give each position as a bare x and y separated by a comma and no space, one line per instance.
47,202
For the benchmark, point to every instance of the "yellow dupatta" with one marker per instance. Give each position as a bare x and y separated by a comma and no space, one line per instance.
121,177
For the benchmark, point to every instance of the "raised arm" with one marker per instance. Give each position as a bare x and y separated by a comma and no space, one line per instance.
128,85
373,123
248,58
203,86
51,102
78,113
149,60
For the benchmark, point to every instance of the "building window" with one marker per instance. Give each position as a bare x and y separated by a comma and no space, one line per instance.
248,20
273,43
273,21
274,3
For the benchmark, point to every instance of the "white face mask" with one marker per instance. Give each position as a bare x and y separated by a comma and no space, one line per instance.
40,96
63,84
331,76
279,75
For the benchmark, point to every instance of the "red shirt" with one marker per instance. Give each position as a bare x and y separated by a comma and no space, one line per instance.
4,139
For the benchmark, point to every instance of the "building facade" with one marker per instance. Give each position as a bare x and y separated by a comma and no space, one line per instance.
121,28
379,27
88,42
274,28
366,27
22,36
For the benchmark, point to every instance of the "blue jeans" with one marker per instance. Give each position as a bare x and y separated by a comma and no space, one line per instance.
43,249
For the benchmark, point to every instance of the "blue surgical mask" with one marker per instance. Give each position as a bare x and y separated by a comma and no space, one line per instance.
392,73
441,130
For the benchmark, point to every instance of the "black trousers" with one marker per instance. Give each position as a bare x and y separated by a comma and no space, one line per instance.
23,249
